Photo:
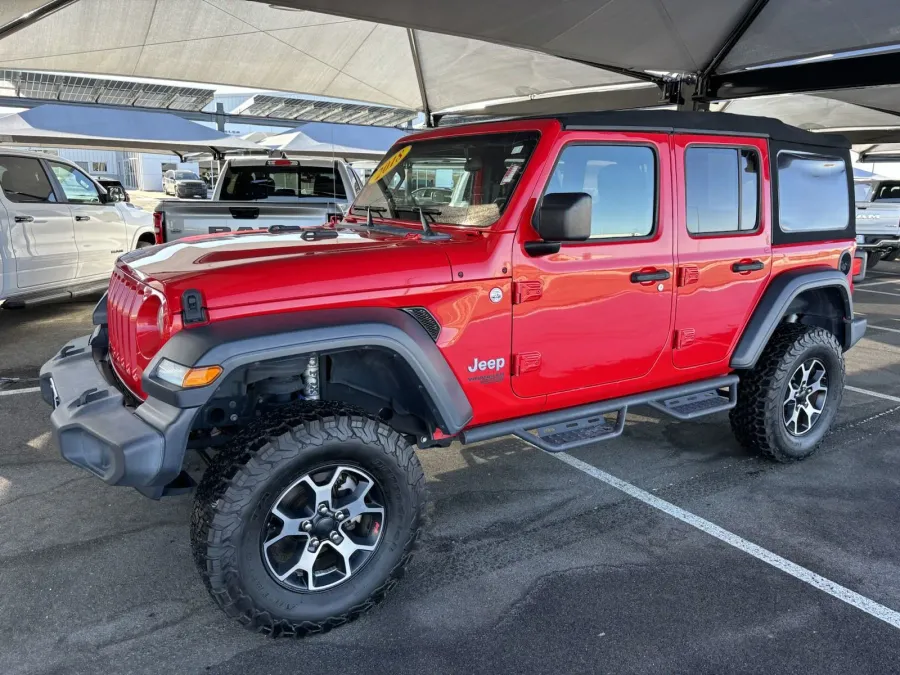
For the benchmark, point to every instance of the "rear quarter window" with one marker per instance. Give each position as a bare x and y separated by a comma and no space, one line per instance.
813,194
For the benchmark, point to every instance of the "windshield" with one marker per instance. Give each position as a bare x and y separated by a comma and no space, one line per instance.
888,191
457,181
186,175
254,183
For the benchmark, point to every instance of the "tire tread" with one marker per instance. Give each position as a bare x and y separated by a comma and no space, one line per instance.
249,460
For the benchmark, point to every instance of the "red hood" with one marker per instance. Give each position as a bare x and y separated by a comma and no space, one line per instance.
255,268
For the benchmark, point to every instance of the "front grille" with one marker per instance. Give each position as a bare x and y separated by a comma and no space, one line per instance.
427,321
122,304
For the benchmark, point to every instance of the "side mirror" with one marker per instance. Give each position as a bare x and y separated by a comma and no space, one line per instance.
564,216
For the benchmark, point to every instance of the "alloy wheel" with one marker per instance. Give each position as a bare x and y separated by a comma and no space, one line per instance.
804,401
323,528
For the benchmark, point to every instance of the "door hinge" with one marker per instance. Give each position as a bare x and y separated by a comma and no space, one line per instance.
688,274
684,337
526,362
526,291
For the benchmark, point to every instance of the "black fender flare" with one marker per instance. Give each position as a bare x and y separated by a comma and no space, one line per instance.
775,302
238,342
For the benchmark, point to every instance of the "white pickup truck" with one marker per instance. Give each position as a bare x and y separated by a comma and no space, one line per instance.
878,219
259,192
60,230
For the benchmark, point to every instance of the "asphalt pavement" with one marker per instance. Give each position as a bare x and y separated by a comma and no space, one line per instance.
703,560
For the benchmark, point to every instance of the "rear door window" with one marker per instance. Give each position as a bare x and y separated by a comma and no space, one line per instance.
24,181
813,192
722,190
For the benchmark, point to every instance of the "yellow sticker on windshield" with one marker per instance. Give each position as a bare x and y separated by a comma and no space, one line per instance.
390,164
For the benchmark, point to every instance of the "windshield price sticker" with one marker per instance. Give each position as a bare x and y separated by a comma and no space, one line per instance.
390,164
510,174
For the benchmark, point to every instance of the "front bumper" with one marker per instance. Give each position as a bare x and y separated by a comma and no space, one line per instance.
142,447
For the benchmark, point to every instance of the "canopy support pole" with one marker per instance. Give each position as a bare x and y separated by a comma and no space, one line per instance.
414,48
28,18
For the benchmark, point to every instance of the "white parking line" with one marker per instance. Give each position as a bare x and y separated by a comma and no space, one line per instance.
858,289
875,394
876,283
12,392
833,589
892,330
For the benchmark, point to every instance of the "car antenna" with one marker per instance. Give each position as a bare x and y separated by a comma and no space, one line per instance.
427,232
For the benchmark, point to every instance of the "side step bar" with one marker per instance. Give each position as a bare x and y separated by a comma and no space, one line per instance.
563,430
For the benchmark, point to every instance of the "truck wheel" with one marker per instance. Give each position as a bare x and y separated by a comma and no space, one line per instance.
891,255
788,401
307,519
873,258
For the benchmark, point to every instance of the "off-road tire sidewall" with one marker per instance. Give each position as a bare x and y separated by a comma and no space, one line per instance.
758,419
226,536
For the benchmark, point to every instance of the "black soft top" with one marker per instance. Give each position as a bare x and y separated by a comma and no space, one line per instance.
677,121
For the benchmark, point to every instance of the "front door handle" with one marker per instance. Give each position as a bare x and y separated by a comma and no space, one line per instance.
747,266
24,219
82,218
645,277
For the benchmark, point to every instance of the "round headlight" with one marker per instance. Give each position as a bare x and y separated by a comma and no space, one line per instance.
149,337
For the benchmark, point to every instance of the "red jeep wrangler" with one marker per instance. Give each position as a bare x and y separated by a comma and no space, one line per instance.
534,277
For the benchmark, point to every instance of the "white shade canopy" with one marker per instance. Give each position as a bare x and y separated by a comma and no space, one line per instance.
83,127
346,141
500,56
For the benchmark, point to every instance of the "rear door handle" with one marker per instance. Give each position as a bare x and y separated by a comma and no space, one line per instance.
82,218
24,219
748,266
644,277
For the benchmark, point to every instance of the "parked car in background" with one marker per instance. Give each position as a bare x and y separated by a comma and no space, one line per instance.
258,192
184,184
878,219
433,195
60,231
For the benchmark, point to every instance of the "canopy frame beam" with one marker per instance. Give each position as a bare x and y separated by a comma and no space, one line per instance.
420,77
35,15
873,70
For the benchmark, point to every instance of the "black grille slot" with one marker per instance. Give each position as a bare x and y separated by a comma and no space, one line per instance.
426,320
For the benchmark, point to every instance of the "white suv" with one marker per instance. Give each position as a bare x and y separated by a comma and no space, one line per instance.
60,234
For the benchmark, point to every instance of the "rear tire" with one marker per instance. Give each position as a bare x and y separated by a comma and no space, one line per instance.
760,420
892,254
232,525
873,258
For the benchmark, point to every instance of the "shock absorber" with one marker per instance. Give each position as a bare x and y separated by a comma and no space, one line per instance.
311,378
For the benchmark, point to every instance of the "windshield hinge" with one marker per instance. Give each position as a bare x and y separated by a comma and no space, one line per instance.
192,309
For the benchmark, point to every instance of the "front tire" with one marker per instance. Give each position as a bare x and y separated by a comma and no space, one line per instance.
259,509
787,403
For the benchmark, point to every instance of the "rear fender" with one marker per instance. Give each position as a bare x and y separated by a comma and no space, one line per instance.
780,300
241,342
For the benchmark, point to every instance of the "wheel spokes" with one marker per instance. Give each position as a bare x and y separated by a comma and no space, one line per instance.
357,505
290,527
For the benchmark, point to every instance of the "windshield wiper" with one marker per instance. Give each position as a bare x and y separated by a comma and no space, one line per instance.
386,229
427,232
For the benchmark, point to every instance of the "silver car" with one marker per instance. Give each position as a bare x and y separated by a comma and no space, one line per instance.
184,184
